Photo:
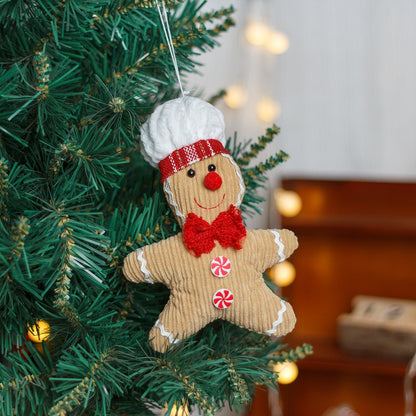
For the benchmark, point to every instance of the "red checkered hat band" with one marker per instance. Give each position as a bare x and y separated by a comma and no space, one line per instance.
186,155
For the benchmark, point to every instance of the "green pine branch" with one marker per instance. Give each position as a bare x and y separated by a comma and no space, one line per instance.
256,176
294,354
88,376
265,166
214,14
261,144
214,98
237,383
25,382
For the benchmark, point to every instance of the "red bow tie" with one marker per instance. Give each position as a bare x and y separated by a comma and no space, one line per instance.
228,229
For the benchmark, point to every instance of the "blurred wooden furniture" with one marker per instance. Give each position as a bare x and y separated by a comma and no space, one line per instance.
383,327
355,238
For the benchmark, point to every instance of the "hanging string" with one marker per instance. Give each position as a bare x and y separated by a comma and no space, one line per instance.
168,36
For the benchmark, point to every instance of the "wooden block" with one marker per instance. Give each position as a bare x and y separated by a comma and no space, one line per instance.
379,326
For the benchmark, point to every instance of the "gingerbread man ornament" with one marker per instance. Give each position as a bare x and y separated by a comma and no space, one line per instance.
214,267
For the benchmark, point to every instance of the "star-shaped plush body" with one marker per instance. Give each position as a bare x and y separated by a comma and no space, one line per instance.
223,279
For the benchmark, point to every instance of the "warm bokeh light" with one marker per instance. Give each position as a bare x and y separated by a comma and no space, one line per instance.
288,372
39,332
268,109
288,203
282,274
257,33
236,96
277,42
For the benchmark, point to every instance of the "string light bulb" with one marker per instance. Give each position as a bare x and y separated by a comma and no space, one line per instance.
288,203
287,370
236,96
282,274
268,109
39,332
179,411
277,42
257,33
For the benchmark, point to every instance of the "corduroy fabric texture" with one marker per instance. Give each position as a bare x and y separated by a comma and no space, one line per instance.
192,284
192,280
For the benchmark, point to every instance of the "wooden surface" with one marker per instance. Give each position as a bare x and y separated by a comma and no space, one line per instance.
355,238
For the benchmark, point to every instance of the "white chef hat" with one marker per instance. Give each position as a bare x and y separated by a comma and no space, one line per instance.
181,132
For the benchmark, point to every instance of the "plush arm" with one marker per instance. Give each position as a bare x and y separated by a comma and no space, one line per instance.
151,263
268,247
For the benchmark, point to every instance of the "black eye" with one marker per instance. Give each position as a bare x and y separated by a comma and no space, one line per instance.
211,168
191,173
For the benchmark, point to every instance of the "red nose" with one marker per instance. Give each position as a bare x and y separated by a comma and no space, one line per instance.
213,181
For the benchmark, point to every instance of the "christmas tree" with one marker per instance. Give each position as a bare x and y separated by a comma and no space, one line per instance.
77,80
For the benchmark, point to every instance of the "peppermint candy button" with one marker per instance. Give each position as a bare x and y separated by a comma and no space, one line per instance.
220,266
222,299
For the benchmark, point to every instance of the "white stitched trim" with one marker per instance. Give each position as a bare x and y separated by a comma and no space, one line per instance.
172,203
164,333
279,318
172,162
238,172
143,264
281,246
210,148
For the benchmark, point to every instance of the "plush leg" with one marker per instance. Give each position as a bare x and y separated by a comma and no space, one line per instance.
175,323
263,312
